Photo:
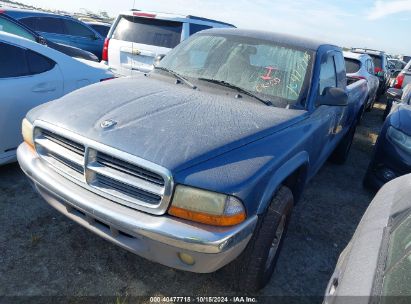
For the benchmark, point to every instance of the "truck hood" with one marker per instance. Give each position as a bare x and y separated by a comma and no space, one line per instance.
166,123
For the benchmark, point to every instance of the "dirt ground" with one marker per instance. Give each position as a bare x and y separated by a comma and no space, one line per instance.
42,253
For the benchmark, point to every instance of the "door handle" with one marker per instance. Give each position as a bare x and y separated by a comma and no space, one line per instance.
43,87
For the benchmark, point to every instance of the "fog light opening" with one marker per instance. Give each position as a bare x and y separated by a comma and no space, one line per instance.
186,258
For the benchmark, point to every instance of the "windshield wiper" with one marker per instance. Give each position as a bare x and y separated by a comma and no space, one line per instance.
238,89
178,76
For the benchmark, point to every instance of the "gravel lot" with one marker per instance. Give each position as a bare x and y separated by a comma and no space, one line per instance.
44,254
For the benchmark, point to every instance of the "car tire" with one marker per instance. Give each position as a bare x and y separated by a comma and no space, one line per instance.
252,270
387,110
371,105
366,182
340,154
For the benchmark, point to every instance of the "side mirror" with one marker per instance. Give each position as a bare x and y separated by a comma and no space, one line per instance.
158,58
394,93
333,97
42,40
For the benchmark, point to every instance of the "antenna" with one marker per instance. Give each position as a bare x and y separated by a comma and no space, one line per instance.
134,4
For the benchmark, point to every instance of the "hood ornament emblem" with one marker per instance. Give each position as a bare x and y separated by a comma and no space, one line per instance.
108,123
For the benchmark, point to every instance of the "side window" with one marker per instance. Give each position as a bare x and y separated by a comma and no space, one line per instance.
18,62
12,61
50,25
74,28
328,76
13,28
30,22
39,63
194,28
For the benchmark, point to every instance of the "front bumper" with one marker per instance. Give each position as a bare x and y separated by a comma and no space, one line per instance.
158,238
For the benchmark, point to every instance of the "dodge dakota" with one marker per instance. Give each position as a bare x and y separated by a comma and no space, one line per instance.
198,164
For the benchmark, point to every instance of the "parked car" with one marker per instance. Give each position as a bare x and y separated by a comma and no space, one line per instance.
395,96
381,67
12,26
375,267
396,66
60,29
32,74
406,58
404,77
361,66
100,27
138,37
199,163
392,152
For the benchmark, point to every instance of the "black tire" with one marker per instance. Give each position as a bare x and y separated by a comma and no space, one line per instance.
371,106
340,154
252,270
366,182
387,110
369,181
361,115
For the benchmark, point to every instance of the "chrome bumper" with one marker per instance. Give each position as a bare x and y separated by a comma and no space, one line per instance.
157,238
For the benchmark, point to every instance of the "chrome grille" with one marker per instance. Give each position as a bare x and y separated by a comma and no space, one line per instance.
121,177
127,168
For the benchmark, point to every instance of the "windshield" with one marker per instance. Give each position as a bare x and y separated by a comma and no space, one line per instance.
272,71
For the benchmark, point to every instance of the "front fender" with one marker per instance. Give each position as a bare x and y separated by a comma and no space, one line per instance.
300,160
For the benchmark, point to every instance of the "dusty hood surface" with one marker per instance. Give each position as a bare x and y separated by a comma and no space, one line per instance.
165,123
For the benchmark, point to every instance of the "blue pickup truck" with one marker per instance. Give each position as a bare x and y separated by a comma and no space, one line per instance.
198,164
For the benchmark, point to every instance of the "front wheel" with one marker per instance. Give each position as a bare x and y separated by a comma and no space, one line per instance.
252,270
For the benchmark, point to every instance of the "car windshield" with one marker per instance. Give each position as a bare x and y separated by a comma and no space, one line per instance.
397,278
272,71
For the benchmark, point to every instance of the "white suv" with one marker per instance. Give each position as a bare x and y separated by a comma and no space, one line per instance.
137,37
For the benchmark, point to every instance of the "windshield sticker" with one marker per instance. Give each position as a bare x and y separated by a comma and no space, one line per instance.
267,76
269,79
297,75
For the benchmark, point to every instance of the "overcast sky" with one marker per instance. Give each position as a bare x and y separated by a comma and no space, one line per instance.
380,24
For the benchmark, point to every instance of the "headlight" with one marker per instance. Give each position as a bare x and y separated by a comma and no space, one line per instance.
206,207
400,138
27,132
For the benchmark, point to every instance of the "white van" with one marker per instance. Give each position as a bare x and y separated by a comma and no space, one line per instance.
137,37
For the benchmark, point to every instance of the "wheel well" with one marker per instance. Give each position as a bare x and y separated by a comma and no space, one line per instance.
296,181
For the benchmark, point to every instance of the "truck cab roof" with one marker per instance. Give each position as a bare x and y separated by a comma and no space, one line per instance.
291,40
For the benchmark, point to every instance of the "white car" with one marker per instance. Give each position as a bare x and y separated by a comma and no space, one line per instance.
361,66
136,38
32,74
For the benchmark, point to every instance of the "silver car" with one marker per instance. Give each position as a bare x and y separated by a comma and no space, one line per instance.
361,66
375,267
